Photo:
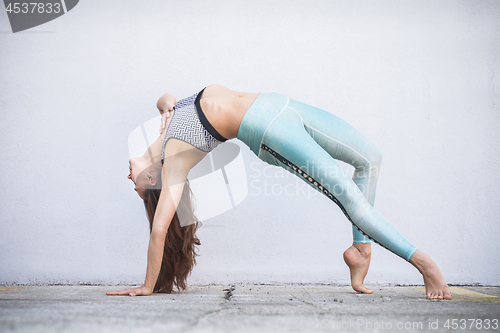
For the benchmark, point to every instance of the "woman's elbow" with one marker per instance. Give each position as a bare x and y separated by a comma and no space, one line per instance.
165,102
159,231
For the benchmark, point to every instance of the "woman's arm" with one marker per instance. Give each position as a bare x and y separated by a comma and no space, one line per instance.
165,105
172,187
173,180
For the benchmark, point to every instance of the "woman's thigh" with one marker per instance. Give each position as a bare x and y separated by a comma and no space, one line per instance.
341,140
287,144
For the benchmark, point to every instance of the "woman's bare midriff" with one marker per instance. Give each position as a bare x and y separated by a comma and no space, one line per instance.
225,108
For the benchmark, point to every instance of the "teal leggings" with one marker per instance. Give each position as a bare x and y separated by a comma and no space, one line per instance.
307,141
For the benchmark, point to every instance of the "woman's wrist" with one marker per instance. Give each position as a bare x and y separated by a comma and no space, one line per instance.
149,288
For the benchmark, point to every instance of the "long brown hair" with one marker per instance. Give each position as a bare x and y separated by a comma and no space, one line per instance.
180,242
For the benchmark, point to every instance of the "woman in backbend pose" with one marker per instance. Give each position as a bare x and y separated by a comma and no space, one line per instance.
303,139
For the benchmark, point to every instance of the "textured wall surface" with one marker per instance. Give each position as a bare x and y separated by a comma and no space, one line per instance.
420,79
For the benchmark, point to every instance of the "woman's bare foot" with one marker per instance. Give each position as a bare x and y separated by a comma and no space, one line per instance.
435,285
358,257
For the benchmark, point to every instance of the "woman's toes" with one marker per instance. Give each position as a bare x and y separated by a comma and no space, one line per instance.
362,289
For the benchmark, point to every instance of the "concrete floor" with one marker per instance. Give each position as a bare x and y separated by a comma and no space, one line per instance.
246,308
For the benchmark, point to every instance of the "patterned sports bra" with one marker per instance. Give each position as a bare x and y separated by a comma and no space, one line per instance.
190,125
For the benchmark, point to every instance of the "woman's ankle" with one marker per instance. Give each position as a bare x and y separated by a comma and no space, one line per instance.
364,249
420,260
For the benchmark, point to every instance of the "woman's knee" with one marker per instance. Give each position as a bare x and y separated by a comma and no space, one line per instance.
370,161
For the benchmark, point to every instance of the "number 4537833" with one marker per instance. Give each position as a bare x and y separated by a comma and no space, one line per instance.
471,323
33,8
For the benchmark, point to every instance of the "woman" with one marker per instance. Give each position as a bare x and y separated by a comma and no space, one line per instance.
281,131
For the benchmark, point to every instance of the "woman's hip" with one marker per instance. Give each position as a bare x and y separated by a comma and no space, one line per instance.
259,117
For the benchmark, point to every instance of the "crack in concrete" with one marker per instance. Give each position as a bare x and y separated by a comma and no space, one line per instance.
229,292
306,302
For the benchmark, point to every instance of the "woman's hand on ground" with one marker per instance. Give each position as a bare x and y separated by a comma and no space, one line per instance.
140,291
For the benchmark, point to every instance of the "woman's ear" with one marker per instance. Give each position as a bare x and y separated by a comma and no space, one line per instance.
152,178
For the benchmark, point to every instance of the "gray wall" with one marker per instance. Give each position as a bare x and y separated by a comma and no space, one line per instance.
420,79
